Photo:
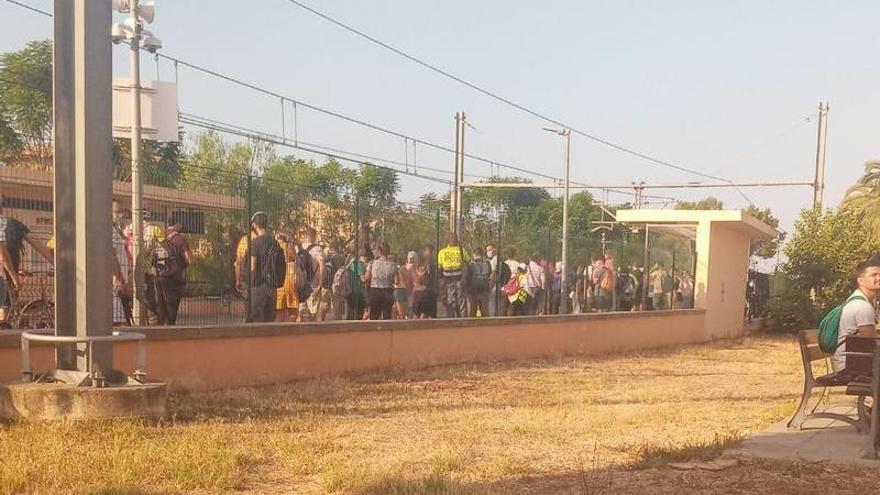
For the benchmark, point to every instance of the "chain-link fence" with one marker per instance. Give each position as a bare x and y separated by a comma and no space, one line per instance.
501,264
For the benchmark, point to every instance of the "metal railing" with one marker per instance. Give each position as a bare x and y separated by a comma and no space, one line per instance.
138,374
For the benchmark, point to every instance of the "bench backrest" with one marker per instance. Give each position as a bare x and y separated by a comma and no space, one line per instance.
808,341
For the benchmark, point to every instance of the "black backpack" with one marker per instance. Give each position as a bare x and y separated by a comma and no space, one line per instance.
479,276
275,270
503,273
305,273
167,259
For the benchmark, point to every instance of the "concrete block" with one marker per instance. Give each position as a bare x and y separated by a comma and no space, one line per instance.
53,401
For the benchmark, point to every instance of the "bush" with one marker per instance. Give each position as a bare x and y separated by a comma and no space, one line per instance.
822,256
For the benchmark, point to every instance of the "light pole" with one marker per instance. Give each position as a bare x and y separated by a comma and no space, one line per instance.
563,299
132,32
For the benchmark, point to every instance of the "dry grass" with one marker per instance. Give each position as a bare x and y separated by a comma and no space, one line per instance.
457,429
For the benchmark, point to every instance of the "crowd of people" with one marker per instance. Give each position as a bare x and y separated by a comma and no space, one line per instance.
291,276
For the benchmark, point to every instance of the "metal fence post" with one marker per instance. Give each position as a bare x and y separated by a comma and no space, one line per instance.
672,296
546,289
435,262
498,260
356,249
646,271
247,259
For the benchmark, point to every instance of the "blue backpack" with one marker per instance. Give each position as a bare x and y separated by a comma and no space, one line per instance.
829,327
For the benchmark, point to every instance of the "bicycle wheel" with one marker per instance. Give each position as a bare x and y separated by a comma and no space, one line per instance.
36,315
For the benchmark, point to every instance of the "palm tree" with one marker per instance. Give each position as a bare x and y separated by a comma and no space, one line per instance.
863,198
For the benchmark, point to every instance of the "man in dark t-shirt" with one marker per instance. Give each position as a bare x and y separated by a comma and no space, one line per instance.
170,289
263,293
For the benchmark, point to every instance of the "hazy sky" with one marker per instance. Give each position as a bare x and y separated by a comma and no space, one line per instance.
721,87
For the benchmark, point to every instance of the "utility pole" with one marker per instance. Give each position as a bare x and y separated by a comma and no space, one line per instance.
564,279
83,178
133,32
565,133
459,176
639,188
819,184
64,145
137,216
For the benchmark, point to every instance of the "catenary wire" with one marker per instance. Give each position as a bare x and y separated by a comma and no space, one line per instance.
504,100
254,87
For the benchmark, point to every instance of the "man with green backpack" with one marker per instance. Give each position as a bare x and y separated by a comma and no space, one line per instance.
855,316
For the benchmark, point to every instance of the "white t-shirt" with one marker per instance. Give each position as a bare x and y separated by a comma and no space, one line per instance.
855,314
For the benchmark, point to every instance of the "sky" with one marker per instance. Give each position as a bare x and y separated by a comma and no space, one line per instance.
724,88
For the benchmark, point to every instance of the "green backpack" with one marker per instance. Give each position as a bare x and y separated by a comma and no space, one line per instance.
829,327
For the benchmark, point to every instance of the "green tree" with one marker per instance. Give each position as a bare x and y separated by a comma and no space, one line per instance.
160,162
708,203
376,186
822,255
863,198
26,104
765,248
10,144
213,165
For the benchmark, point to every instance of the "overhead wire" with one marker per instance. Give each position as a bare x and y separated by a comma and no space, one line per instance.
234,80
280,141
504,100
231,79
28,7
187,117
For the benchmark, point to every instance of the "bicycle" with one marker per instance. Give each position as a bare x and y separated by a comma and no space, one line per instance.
32,314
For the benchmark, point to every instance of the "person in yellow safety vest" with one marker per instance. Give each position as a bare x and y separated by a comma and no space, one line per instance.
519,299
451,261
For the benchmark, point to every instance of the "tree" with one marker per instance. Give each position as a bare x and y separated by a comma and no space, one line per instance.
26,104
160,162
822,255
513,200
213,165
863,198
377,186
709,203
765,248
10,144
26,122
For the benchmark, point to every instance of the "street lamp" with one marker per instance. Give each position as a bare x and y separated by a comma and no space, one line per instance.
565,133
132,31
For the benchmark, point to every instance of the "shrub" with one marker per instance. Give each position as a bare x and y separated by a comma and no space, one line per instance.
822,255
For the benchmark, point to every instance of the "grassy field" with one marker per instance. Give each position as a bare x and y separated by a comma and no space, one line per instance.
570,425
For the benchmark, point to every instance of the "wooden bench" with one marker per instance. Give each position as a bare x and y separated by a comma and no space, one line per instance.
808,342
863,366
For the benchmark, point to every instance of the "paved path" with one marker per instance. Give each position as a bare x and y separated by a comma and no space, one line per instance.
820,440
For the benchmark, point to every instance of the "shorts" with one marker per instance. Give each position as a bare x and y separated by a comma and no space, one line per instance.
286,300
425,303
400,296
319,301
263,303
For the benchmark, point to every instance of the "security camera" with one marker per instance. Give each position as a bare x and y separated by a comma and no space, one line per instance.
121,6
120,32
152,44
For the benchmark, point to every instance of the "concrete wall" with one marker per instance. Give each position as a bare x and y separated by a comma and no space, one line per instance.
203,358
728,268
